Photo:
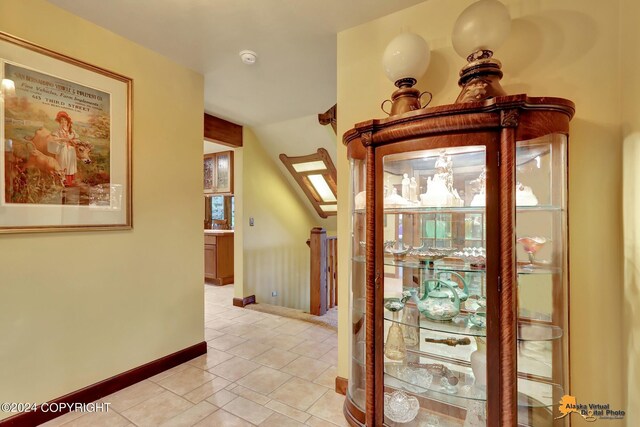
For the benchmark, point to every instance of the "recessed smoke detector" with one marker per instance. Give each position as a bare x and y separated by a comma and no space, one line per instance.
248,57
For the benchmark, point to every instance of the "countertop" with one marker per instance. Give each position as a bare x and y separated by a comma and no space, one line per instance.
218,231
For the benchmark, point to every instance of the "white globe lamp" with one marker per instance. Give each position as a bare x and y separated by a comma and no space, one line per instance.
405,59
480,29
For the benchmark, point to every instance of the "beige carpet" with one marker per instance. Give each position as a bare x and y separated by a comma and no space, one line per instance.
328,320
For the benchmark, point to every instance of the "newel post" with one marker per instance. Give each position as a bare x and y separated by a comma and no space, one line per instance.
318,291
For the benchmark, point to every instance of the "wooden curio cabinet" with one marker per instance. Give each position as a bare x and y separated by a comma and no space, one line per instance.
459,273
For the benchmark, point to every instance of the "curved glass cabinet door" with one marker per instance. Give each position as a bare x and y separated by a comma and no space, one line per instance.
357,294
434,257
541,230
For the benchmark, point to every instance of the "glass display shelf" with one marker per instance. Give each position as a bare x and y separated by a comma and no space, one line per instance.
523,267
533,394
426,418
461,325
534,357
459,209
418,380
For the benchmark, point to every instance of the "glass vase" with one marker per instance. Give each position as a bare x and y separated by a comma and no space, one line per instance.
395,348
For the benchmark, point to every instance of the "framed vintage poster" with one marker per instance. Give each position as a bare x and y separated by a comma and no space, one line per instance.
66,138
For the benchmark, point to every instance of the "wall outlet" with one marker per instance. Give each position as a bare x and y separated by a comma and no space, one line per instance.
251,221
274,293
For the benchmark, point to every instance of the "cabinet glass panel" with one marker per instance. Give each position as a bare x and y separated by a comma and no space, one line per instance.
435,287
209,167
542,289
357,287
223,170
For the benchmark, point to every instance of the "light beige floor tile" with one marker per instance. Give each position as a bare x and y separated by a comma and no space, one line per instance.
234,369
210,333
214,309
276,358
221,398
212,358
288,411
248,410
271,322
258,333
282,341
254,396
225,342
249,349
222,418
186,380
99,419
293,327
168,372
155,411
264,380
63,419
319,422
235,312
328,377
238,329
317,333
329,408
218,323
132,395
191,415
309,349
306,367
331,341
279,420
206,390
249,318
298,393
331,356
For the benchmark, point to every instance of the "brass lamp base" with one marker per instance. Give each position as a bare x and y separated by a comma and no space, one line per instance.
480,78
405,98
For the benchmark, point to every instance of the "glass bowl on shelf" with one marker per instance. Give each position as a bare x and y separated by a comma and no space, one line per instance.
399,407
428,256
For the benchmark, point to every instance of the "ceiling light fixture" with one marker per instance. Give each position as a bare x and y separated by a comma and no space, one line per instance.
248,57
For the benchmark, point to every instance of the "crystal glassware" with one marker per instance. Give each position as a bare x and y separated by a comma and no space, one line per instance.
410,328
394,347
399,407
532,245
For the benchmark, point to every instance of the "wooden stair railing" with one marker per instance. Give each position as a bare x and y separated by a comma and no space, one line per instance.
324,271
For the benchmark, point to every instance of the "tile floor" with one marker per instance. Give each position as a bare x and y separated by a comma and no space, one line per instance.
260,370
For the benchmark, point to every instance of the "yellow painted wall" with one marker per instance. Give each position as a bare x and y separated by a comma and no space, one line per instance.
76,308
630,63
275,255
564,48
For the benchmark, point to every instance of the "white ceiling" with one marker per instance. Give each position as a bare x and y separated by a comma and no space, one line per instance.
295,74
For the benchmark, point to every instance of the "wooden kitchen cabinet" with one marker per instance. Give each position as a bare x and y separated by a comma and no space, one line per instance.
218,173
218,257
